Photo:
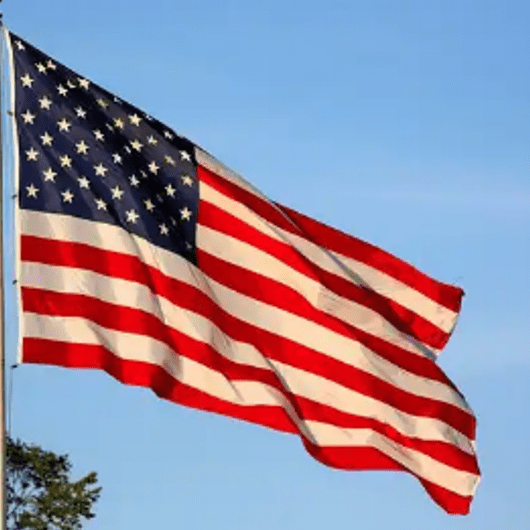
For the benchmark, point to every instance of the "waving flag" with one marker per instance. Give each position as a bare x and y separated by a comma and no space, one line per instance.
142,255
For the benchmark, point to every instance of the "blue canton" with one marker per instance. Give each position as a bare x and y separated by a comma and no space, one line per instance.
86,153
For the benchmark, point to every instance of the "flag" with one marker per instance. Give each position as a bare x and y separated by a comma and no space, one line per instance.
142,255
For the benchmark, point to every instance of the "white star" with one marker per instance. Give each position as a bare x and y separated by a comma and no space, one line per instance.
117,99
185,214
153,167
83,83
81,147
188,245
45,102
41,68
184,155
132,216
32,154
187,180
28,117
170,190
168,135
49,175
149,206
117,158
134,181
163,229
62,90
32,191
118,122
169,160
102,103
117,193
81,112
65,161
67,196
100,169
99,135
143,173
135,119
51,65
109,126
47,139
152,140
101,204
64,125
135,144
27,80
20,46
127,149
83,182
71,83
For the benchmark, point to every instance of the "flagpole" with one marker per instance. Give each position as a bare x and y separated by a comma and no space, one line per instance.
3,519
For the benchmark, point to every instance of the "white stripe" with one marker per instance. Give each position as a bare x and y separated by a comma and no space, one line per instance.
137,296
360,273
461,482
246,393
275,320
300,382
215,166
249,257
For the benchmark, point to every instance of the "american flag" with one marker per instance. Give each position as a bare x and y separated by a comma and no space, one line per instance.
142,255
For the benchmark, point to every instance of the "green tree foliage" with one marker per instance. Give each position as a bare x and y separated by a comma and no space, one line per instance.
39,493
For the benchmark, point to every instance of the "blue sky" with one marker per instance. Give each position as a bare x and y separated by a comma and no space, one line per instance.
406,123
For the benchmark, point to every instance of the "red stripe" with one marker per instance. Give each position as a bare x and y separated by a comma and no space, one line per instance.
279,348
333,239
55,304
369,458
137,321
154,377
204,354
441,451
402,318
131,268
265,290
447,295
138,373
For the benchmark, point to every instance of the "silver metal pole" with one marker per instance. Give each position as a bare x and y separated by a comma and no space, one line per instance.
3,445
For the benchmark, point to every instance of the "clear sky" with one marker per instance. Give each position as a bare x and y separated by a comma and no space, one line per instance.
406,123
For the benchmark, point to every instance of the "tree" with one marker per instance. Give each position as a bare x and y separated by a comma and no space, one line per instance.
39,493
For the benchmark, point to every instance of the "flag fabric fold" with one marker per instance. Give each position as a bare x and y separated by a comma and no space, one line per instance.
142,255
